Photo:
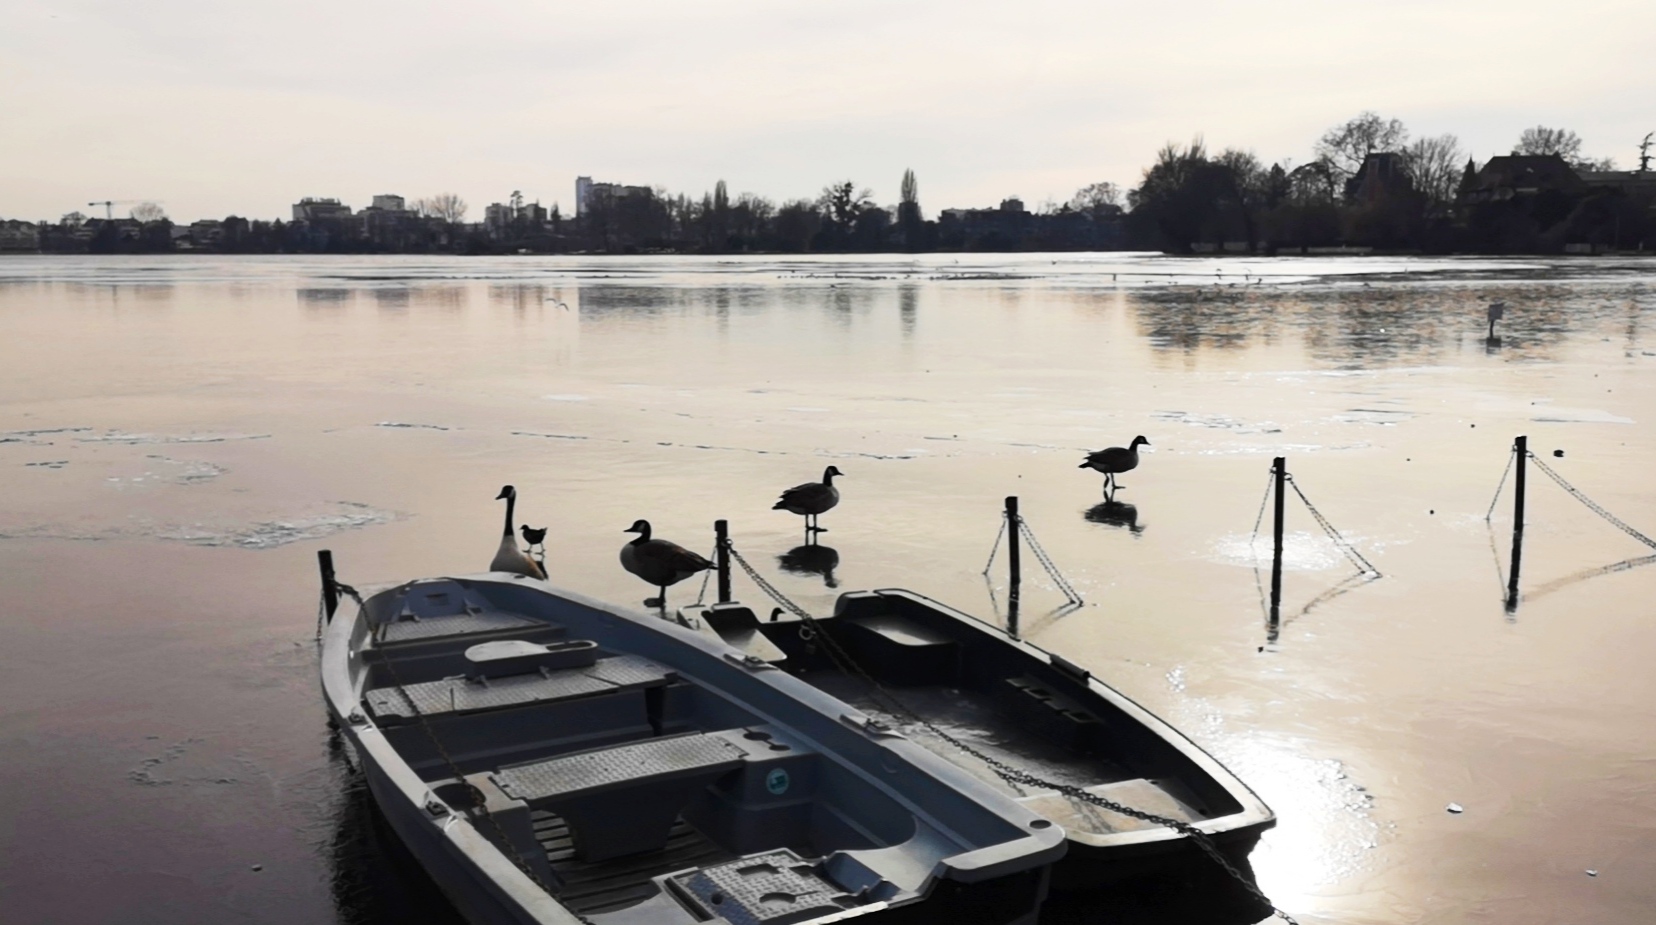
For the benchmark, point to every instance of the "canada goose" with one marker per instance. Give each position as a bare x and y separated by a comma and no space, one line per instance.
509,558
659,562
811,499
1113,460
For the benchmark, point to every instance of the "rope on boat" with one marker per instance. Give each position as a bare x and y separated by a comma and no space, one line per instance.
1591,505
1012,775
505,844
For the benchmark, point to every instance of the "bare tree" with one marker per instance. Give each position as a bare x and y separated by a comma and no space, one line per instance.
1345,147
446,206
1434,166
73,220
147,212
1099,199
1543,140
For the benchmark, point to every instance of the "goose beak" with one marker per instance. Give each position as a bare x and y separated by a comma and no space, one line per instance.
504,492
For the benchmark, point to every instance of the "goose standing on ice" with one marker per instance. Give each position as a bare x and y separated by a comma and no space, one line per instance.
811,499
1113,460
509,558
659,562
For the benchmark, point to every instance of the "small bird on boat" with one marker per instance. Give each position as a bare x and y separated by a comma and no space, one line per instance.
536,540
509,558
1113,460
659,562
811,499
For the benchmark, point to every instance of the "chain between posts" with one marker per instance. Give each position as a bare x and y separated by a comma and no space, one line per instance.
506,846
1045,559
995,548
893,705
1591,505
1344,546
1488,515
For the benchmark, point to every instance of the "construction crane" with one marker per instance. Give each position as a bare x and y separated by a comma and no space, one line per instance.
110,204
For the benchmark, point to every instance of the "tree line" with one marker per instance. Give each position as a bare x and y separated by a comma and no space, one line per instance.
1370,184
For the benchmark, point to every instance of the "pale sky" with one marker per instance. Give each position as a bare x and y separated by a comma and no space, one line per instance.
243,106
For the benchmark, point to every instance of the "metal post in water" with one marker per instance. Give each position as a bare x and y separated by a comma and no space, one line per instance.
330,587
1012,530
1520,446
721,557
1279,472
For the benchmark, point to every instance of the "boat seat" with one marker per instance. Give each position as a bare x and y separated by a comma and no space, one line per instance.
738,627
901,651
480,693
624,799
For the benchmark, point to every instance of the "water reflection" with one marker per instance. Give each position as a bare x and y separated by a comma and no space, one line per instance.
373,877
1115,514
812,559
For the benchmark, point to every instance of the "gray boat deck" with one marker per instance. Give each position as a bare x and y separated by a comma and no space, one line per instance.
463,695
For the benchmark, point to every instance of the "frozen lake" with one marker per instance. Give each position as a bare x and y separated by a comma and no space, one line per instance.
179,436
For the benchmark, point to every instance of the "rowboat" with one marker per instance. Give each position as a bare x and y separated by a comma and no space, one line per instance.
1132,794
550,759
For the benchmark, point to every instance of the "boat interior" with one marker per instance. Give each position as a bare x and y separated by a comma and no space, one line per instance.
1032,709
646,780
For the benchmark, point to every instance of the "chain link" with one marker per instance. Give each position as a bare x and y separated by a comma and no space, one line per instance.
506,845
1504,473
1012,775
1333,534
995,548
1595,508
1045,559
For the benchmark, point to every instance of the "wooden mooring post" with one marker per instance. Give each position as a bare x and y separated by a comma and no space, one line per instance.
721,557
330,586
1520,446
1016,565
1279,477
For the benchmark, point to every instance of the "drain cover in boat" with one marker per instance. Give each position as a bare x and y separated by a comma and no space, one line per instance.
777,888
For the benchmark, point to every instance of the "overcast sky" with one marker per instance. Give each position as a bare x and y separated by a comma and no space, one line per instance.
243,106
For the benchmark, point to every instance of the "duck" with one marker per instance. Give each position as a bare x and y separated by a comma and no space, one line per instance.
811,499
1113,460
509,558
659,562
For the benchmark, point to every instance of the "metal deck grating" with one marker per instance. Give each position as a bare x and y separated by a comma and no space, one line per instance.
592,770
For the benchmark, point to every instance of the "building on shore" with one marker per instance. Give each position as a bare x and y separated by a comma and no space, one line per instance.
314,210
17,235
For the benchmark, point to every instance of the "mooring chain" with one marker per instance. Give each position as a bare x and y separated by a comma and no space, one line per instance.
1045,559
893,705
1351,552
506,845
1595,508
995,548
1504,473
706,574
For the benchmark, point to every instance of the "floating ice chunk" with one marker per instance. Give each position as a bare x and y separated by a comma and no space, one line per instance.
1455,808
